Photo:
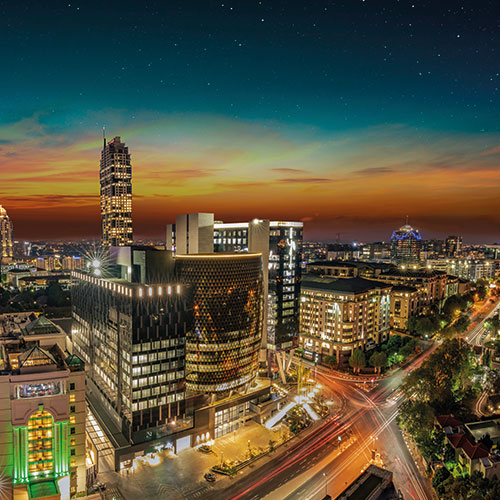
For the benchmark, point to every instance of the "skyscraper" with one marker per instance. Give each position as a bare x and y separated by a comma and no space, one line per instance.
406,244
5,236
116,194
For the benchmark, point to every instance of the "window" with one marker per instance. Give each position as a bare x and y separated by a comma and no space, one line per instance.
72,409
72,430
73,452
72,386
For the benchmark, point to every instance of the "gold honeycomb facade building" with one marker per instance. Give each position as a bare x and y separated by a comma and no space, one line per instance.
116,194
222,350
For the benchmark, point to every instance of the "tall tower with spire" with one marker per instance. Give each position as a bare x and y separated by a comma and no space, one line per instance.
5,236
116,193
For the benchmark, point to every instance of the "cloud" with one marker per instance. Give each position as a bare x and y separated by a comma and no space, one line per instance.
291,171
374,171
305,180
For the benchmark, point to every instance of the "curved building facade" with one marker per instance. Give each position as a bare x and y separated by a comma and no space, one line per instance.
222,349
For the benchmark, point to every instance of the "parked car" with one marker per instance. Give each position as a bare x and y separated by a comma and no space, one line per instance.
209,477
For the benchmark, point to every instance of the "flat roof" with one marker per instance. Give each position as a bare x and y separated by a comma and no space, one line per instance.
43,489
344,285
479,429
370,484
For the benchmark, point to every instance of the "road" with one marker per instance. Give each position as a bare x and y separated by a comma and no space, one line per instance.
314,466
477,335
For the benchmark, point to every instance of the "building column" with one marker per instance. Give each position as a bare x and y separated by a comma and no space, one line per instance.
20,454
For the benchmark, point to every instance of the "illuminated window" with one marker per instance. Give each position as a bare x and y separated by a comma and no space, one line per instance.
40,443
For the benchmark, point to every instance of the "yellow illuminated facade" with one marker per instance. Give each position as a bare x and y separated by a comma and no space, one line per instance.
116,194
340,315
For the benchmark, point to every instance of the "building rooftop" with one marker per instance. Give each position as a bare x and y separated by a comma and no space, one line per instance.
373,484
479,429
333,263
472,450
404,288
449,421
344,285
412,273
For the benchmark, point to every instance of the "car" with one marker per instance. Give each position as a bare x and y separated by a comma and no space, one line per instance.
209,477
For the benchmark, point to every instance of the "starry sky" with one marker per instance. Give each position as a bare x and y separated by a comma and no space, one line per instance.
346,115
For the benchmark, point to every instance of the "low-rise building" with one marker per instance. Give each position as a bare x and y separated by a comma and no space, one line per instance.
374,483
338,315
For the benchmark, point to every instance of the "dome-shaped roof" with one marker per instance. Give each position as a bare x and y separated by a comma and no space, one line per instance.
406,228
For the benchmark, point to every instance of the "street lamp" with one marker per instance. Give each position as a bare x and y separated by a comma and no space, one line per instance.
326,483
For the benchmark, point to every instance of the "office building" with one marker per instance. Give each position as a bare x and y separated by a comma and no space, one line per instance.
280,244
6,237
222,350
467,269
433,284
338,315
406,244
116,194
171,346
453,245
191,234
130,329
379,251
42,411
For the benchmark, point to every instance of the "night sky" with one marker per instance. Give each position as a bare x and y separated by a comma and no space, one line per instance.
346,115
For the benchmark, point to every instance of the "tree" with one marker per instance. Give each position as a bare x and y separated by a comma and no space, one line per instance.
330,360
378,360
441,475
492,325
357,360
487,441
417,418
462,323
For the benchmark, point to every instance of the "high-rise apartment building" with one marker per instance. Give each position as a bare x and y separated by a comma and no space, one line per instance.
406,245
116,194
6,237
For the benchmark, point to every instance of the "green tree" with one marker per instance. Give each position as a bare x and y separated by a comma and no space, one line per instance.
441,475
357,360
378,360
330,360
462,323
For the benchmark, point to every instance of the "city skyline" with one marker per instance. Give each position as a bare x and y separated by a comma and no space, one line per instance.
259,110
